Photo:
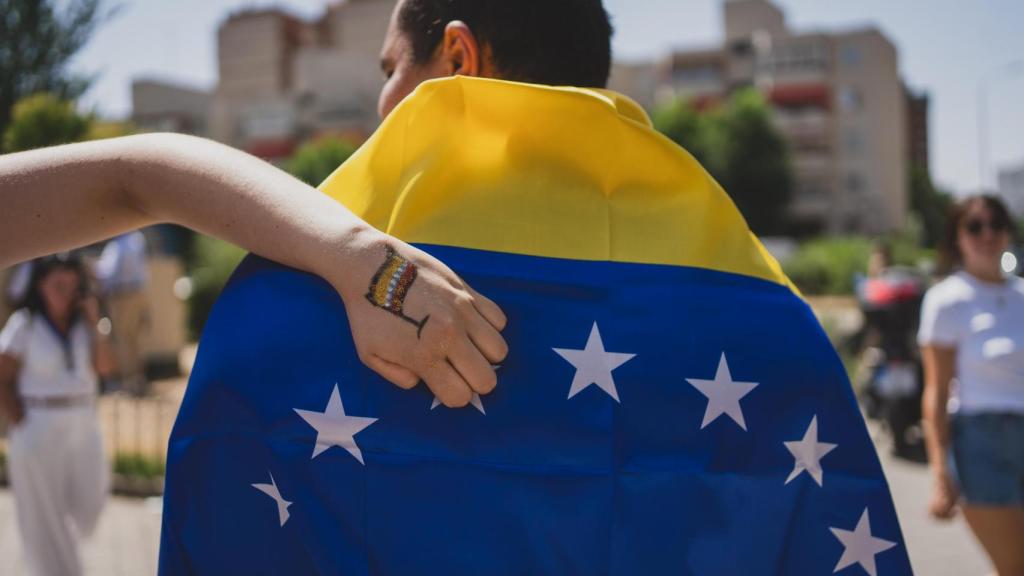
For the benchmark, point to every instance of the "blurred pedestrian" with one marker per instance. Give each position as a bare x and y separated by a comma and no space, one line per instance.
972,339
50,355
122,273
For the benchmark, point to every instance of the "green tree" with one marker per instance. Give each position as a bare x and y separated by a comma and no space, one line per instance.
697,132
317,159
741,148
103,129
930,204
36,45
213,262
44,120
755,170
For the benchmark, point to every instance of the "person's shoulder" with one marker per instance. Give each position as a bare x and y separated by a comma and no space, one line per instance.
19,319
15,332
954,288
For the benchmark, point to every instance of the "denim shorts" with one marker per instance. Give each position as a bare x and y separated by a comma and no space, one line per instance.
988,456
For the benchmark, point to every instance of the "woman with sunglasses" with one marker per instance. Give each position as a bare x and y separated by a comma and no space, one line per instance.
51,354
972,342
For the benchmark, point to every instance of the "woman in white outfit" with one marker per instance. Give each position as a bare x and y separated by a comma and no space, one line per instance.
972,339
51,354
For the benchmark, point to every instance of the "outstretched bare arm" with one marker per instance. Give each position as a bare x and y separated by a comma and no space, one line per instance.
57,198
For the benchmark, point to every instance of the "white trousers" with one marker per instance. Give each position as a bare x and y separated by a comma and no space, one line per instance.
59,475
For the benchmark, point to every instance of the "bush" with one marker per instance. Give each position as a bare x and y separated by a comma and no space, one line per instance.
317,159
828,266
213,263
138,466
44,120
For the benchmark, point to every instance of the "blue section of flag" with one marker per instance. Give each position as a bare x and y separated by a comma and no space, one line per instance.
540,483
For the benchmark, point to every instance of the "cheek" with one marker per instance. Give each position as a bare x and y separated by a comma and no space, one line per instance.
384,103
395,89
54,299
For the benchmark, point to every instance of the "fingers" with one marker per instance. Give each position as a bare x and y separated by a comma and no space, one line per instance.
397,375
448,386
486,339
472,366
488,309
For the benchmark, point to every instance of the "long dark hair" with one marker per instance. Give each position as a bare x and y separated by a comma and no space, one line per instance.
41,268
950,257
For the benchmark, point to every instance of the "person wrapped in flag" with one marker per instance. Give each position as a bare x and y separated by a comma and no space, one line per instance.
669,404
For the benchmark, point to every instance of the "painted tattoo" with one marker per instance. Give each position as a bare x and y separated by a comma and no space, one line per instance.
390,286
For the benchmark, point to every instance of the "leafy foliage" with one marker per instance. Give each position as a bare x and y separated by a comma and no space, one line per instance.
317,159
37,40
828,266
44,120
930,204
831,265
138,465
101,130
741,148
213,261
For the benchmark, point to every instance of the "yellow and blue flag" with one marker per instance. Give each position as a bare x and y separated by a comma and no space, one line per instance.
670,404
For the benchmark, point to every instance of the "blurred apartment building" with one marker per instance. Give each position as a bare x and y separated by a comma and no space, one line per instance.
159,106
283,80
852,127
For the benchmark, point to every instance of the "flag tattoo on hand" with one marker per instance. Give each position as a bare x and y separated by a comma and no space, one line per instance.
390,286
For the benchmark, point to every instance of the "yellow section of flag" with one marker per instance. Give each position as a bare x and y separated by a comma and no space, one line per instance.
544,171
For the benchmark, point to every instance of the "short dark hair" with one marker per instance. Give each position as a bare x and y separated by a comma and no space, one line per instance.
949,250
554,42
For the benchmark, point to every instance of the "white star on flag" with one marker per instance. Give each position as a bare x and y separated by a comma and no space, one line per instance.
860,546
594,365
475,401
723,395
272,491
808,453
335,428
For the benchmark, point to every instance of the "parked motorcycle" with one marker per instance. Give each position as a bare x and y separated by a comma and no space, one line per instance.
890,371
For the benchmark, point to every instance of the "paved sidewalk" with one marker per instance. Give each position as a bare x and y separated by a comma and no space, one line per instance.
126,541
936,548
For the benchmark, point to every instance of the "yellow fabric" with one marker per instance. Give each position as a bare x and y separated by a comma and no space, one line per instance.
543,171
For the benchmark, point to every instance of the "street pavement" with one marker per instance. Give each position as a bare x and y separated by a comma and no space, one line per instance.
126,541
936,548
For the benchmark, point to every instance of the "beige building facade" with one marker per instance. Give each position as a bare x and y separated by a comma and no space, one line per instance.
159,106
837,98
283,80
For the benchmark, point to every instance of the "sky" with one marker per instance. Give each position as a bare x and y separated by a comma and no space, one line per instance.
953,49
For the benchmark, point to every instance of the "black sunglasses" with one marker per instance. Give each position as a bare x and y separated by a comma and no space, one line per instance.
974,227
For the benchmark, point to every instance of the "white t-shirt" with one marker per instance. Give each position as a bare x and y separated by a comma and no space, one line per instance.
44,363
985,323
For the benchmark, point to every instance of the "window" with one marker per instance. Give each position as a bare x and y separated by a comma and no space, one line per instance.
850,56
696,74
850,99
853,140
799,56
854,183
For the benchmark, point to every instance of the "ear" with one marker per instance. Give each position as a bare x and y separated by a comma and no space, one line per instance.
460,51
